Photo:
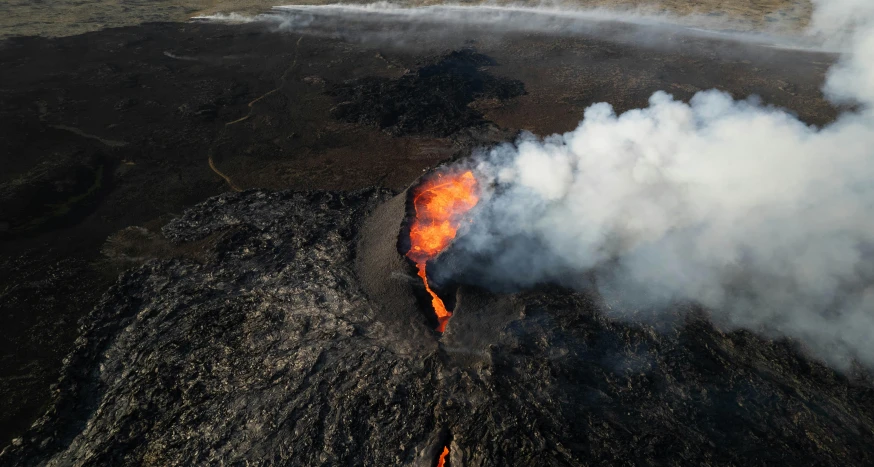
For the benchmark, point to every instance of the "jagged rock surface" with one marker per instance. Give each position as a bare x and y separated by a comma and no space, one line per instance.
432,100
269,351
261,353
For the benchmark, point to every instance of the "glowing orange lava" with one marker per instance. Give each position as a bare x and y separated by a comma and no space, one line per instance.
440,204
442,461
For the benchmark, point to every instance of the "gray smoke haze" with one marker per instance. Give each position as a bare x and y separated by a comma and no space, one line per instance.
733,205
640,26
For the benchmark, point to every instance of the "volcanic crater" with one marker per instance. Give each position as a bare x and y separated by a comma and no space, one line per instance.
300,346
276,326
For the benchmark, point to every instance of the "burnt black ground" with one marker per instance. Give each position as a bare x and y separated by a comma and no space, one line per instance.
434,100
108,135
270,350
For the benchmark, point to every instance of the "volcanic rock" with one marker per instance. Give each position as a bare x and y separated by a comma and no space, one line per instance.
434,100
298,339
53,192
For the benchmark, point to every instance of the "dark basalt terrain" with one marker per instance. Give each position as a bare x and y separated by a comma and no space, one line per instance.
272,350
110,135
434,100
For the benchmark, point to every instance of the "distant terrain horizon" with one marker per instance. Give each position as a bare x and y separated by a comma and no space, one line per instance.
67,17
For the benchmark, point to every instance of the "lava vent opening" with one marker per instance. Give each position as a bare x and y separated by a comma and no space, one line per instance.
436,208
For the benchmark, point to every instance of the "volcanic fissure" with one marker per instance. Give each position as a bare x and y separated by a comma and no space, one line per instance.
441,462
439,206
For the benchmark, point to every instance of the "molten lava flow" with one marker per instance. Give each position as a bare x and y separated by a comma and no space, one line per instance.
440,204
442,461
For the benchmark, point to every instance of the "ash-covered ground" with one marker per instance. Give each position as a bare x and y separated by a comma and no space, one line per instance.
251,326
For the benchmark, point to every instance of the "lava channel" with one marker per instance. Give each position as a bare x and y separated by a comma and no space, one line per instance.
442,461
440,204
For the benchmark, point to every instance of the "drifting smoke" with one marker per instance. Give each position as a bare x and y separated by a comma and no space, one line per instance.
639,26
733,205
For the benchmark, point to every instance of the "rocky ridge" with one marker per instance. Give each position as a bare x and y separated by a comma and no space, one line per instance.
273,349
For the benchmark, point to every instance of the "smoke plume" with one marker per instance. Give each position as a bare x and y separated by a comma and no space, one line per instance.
729,204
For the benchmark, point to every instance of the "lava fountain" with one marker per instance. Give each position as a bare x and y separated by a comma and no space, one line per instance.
440,204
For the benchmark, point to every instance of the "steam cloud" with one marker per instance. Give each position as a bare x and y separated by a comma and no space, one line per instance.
734,205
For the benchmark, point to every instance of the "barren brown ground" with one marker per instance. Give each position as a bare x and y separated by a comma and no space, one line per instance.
69,17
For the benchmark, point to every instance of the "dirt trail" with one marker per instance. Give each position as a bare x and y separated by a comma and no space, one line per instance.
282,81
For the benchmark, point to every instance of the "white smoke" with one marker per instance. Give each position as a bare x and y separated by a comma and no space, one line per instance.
640,26
734,205
230,18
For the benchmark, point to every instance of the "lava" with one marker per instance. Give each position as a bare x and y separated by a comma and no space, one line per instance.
442,461
440,204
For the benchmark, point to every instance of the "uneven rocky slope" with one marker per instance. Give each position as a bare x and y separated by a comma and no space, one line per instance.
298,339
